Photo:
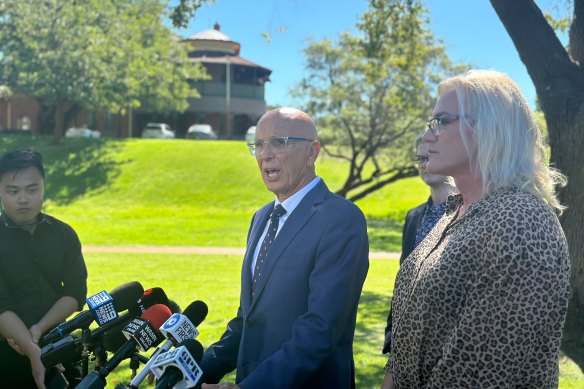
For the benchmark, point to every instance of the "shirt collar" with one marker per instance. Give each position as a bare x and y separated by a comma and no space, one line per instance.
292,202
8,223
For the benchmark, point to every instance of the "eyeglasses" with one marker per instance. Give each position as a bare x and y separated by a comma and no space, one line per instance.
442,120
279,144
420,159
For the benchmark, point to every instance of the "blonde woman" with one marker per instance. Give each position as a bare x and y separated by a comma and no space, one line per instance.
481,302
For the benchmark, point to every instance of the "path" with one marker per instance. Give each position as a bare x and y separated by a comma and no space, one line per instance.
197,250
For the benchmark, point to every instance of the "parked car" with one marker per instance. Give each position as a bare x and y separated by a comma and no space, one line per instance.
250,134
158,131
81,132
201,131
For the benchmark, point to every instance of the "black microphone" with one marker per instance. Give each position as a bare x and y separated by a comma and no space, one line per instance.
103,307
113,338
178,328
142,333
63,350
178,368
150,297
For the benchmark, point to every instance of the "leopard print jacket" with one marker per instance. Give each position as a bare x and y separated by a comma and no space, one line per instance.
481,302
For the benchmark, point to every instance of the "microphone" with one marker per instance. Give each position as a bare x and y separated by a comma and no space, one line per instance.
180,327
140,332
102,306
113,338
176,329
63,350
178,368
149,298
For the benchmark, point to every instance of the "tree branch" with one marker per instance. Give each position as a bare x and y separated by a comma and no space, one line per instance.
530,32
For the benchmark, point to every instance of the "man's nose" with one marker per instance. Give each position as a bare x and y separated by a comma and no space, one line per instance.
22,197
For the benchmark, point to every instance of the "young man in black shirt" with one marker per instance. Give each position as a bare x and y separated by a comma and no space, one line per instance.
43,278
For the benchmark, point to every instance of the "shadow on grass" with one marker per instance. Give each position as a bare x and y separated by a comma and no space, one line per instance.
384,234
73,167
369,336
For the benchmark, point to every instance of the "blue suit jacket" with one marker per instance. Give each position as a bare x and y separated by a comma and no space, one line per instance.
297,332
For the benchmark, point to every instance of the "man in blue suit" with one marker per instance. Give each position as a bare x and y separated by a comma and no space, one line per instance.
300,290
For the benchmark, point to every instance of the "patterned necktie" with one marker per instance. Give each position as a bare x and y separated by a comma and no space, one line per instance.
278,212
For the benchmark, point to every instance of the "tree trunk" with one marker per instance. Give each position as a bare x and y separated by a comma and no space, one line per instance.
59,124
559,82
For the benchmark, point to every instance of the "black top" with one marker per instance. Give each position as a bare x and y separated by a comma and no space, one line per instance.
39,268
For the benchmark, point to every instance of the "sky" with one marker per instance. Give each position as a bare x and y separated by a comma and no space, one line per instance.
470,29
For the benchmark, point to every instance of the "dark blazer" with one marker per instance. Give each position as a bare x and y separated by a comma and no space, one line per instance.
413,219
297,332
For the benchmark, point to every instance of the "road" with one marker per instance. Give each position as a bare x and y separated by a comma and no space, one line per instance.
197,250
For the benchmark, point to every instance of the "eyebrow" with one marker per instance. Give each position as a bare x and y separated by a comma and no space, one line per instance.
442,113
25,186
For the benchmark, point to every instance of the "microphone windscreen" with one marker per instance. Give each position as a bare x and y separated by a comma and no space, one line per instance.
113,338
126,295
154,296
194,347
196,312
157,315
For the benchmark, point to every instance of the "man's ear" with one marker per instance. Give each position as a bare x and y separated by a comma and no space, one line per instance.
313,153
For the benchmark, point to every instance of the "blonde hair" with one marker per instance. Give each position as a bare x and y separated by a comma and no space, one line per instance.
508,146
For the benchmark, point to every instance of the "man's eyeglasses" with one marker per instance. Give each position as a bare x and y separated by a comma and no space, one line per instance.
420,159
435,123
279,144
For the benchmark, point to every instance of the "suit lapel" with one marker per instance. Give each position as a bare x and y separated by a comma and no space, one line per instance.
257,228
299,217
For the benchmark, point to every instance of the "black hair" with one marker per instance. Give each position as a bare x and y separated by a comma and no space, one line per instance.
15,161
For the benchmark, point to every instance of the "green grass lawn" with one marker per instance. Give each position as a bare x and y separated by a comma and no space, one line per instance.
179,192
214,279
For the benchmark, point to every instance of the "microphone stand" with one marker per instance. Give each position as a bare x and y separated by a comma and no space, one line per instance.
134,364
85,341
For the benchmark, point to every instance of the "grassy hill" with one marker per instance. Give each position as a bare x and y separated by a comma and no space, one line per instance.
160,192
181,192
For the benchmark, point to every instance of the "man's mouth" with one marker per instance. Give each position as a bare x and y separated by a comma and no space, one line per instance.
271,173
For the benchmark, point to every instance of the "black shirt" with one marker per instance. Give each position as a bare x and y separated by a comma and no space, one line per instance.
38,269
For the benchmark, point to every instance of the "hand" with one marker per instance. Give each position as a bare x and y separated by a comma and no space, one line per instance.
12,343
388,382
38,369
35,333
223,385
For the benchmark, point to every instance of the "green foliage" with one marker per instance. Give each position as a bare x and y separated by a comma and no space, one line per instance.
371,93
560,15
185,10
96,54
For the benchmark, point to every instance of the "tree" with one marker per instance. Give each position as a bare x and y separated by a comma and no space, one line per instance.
371,93
558,76
6,94
110,54
184,10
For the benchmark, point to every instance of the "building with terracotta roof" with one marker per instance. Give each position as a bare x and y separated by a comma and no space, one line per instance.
231,101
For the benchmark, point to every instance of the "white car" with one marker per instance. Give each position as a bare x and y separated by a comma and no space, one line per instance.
158,131
250,134
201,131
81,132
